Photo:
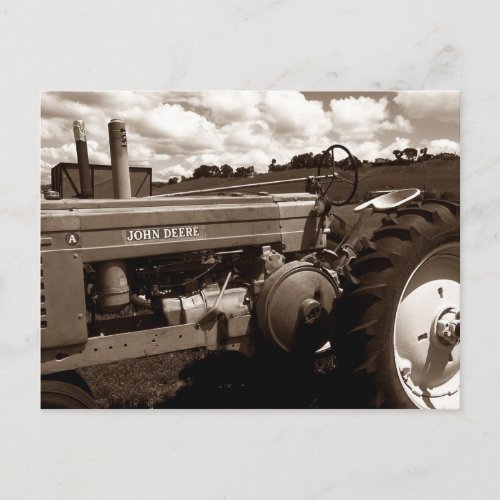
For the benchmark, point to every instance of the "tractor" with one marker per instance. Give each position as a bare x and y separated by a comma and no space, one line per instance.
225,269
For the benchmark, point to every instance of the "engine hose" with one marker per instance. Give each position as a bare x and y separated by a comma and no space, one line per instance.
214,311
138,301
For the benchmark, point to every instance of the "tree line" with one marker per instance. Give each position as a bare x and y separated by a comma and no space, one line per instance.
303,161
224,171
309,160
213,171
411,155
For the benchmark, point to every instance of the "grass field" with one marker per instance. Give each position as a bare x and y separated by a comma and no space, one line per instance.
205,379
436,176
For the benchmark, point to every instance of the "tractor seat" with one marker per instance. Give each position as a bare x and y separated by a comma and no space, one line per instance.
389,201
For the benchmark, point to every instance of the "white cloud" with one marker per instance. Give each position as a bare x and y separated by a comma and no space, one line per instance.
399,143
367,150
290,113
174,127
254,157
204,159
437,146
400,123
440,106
67,153
45,169
246,135
173,171
96,154
144,156
55,106
231,106
362,118
55,131
371,150
162,157
51,156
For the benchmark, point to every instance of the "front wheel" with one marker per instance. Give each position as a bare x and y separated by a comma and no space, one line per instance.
398,342
65,390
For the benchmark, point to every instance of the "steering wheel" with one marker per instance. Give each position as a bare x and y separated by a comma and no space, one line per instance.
349,175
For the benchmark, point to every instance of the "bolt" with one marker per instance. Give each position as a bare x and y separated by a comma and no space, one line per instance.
80,316
313,315
75,256
405,373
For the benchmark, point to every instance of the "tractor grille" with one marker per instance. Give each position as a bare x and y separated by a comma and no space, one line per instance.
43,310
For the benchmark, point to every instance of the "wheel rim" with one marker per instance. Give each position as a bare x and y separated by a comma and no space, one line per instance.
426,353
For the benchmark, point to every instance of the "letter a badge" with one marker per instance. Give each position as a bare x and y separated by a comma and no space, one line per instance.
71,238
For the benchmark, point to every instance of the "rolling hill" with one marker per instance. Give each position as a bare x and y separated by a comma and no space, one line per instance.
440,177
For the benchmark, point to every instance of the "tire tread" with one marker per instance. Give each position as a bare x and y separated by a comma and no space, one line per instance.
365,308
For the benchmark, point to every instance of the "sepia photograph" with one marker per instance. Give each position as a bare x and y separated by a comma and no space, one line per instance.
250,249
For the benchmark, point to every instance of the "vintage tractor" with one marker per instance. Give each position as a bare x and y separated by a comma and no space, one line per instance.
133,277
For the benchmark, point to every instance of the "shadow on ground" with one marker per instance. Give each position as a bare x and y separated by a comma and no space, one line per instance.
203,379
229,380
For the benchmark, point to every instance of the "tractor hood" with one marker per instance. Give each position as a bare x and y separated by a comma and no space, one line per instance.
128,228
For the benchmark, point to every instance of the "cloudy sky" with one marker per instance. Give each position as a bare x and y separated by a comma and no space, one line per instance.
175,132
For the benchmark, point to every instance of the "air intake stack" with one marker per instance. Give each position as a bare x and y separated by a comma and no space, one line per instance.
119,159
113,292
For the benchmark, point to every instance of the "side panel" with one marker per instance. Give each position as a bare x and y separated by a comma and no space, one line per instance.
300,226
63,299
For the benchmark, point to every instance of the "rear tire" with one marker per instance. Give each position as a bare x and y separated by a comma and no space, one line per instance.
388,350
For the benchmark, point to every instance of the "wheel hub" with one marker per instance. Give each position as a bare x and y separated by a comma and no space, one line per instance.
447,327
427,331
295,307
310,311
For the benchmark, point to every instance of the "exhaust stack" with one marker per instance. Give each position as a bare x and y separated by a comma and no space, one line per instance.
119,159
83,159
113,292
